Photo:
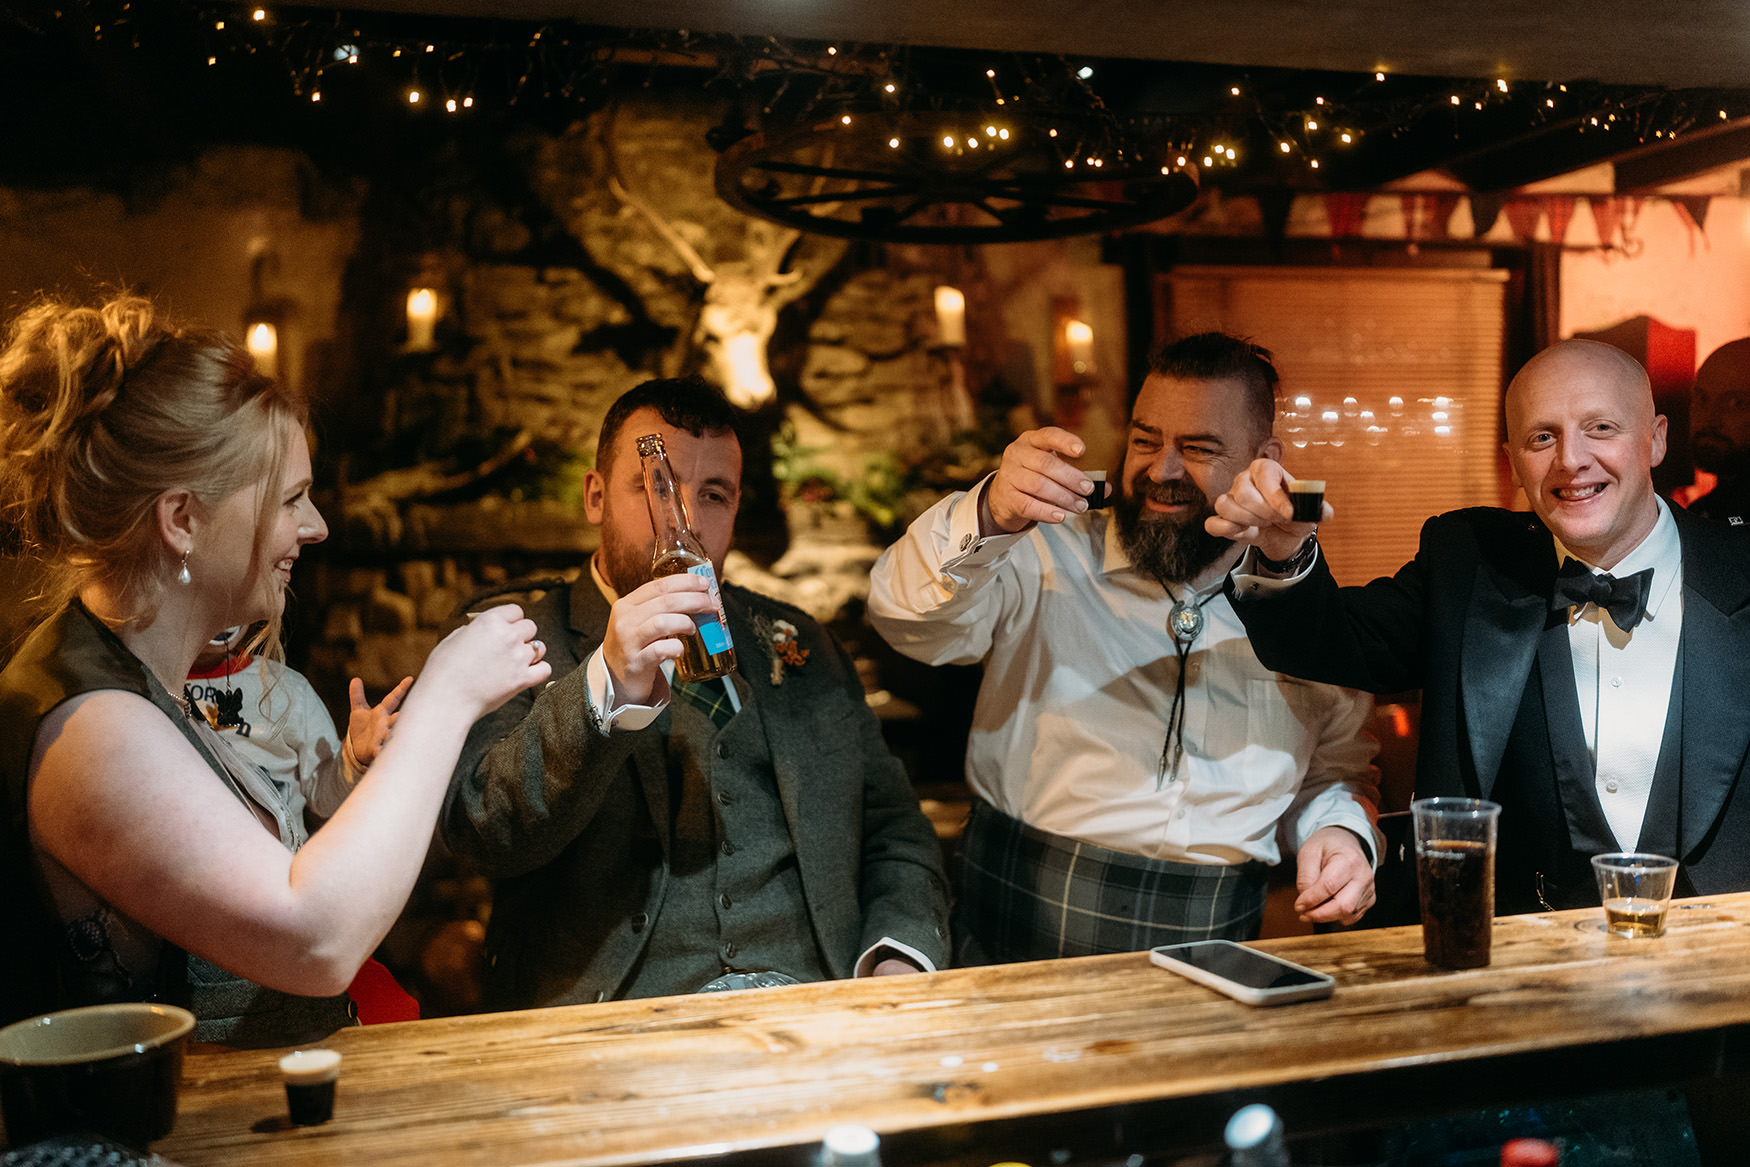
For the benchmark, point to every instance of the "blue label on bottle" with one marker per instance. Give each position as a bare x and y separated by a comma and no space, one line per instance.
713,630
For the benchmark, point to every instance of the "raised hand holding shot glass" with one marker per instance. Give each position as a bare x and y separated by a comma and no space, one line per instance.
1037,483
1270,509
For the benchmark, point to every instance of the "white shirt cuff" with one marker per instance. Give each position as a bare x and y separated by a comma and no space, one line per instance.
886,947
1247,581
965,544
608,715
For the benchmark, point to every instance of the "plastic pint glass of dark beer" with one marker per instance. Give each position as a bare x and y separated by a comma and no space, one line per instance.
1455,876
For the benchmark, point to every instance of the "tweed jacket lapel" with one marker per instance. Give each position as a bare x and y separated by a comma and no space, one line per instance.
1715,670
788,739
589,620
1503,619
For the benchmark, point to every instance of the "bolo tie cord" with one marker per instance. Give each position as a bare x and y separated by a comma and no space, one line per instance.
1185,622
1173,749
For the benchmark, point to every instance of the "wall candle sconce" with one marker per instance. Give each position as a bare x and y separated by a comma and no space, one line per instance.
422,314
950,317
1080,339
265,316
1072,343
263,341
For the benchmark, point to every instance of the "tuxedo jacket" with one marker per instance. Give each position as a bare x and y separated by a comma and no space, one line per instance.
574,825
1468,622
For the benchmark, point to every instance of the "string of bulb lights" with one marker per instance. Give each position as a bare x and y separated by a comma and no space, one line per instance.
1245,123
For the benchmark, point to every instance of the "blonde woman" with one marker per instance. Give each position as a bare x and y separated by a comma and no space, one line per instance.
164,481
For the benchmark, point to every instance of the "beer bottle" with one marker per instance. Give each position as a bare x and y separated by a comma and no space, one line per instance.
850,1146
708,651
1255,1138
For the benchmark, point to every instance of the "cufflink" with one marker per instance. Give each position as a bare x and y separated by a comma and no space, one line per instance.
966,541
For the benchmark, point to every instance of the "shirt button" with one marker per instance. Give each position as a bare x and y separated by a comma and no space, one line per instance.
728,847
1616,682
1610,786
966,541
726,900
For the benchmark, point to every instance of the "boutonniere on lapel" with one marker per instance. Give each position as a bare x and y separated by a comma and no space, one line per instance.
779,639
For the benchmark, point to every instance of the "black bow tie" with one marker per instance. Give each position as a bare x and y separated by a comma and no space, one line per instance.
1625,599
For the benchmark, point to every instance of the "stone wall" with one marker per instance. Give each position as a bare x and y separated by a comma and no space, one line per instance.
560,294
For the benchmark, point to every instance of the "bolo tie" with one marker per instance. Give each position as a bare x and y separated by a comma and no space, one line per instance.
1185,621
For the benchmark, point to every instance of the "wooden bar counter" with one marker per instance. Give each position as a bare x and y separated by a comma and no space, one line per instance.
1079,1057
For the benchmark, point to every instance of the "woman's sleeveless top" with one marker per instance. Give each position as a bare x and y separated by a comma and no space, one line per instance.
82,953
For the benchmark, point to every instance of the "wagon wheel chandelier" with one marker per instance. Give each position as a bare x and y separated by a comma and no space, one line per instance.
948,177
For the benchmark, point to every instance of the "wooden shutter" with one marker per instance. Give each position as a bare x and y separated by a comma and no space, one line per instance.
1391,389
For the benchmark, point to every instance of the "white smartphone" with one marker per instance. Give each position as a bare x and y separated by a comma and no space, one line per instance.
1245,974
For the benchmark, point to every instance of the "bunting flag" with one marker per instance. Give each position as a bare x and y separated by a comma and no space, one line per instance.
1559,210
1692,209
1344,209
1606,217
1485,209
1522,216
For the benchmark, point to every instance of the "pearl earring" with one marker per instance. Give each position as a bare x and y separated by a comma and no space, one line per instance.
182,576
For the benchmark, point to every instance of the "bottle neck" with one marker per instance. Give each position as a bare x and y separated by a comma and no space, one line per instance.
668,513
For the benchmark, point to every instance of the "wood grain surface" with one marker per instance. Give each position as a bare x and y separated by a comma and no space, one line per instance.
935,1056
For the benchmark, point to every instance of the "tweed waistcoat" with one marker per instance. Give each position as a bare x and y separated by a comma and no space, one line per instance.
733,900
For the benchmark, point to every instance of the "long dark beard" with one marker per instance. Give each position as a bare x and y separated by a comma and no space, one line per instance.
1170,550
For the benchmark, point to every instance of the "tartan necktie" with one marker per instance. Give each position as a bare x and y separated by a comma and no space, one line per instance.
709,697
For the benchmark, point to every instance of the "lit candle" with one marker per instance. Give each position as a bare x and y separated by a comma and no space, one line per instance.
1080,338
422,312
263,341
950,316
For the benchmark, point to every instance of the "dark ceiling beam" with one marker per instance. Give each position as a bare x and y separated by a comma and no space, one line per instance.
1696,153
1477,158
1543,154
1697,43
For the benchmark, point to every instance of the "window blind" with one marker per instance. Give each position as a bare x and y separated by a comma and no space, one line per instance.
1390,389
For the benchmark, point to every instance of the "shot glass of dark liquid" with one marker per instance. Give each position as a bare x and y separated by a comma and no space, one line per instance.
1101,495
1455,877
310,1076
1307,497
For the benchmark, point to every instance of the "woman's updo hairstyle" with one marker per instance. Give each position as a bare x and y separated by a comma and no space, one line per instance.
103,409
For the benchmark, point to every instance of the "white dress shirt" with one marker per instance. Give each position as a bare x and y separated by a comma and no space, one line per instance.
1623,679
1080,671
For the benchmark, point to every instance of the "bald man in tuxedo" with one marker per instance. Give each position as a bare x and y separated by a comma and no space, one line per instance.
1584,665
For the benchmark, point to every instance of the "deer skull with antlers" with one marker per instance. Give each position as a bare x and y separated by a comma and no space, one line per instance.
742,299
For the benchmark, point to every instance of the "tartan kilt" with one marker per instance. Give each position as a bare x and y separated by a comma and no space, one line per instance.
1026,894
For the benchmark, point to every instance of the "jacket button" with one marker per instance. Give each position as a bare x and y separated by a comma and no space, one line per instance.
728,847
722,749
726,900
638,921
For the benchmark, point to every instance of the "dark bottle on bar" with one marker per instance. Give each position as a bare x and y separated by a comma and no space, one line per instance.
708,651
